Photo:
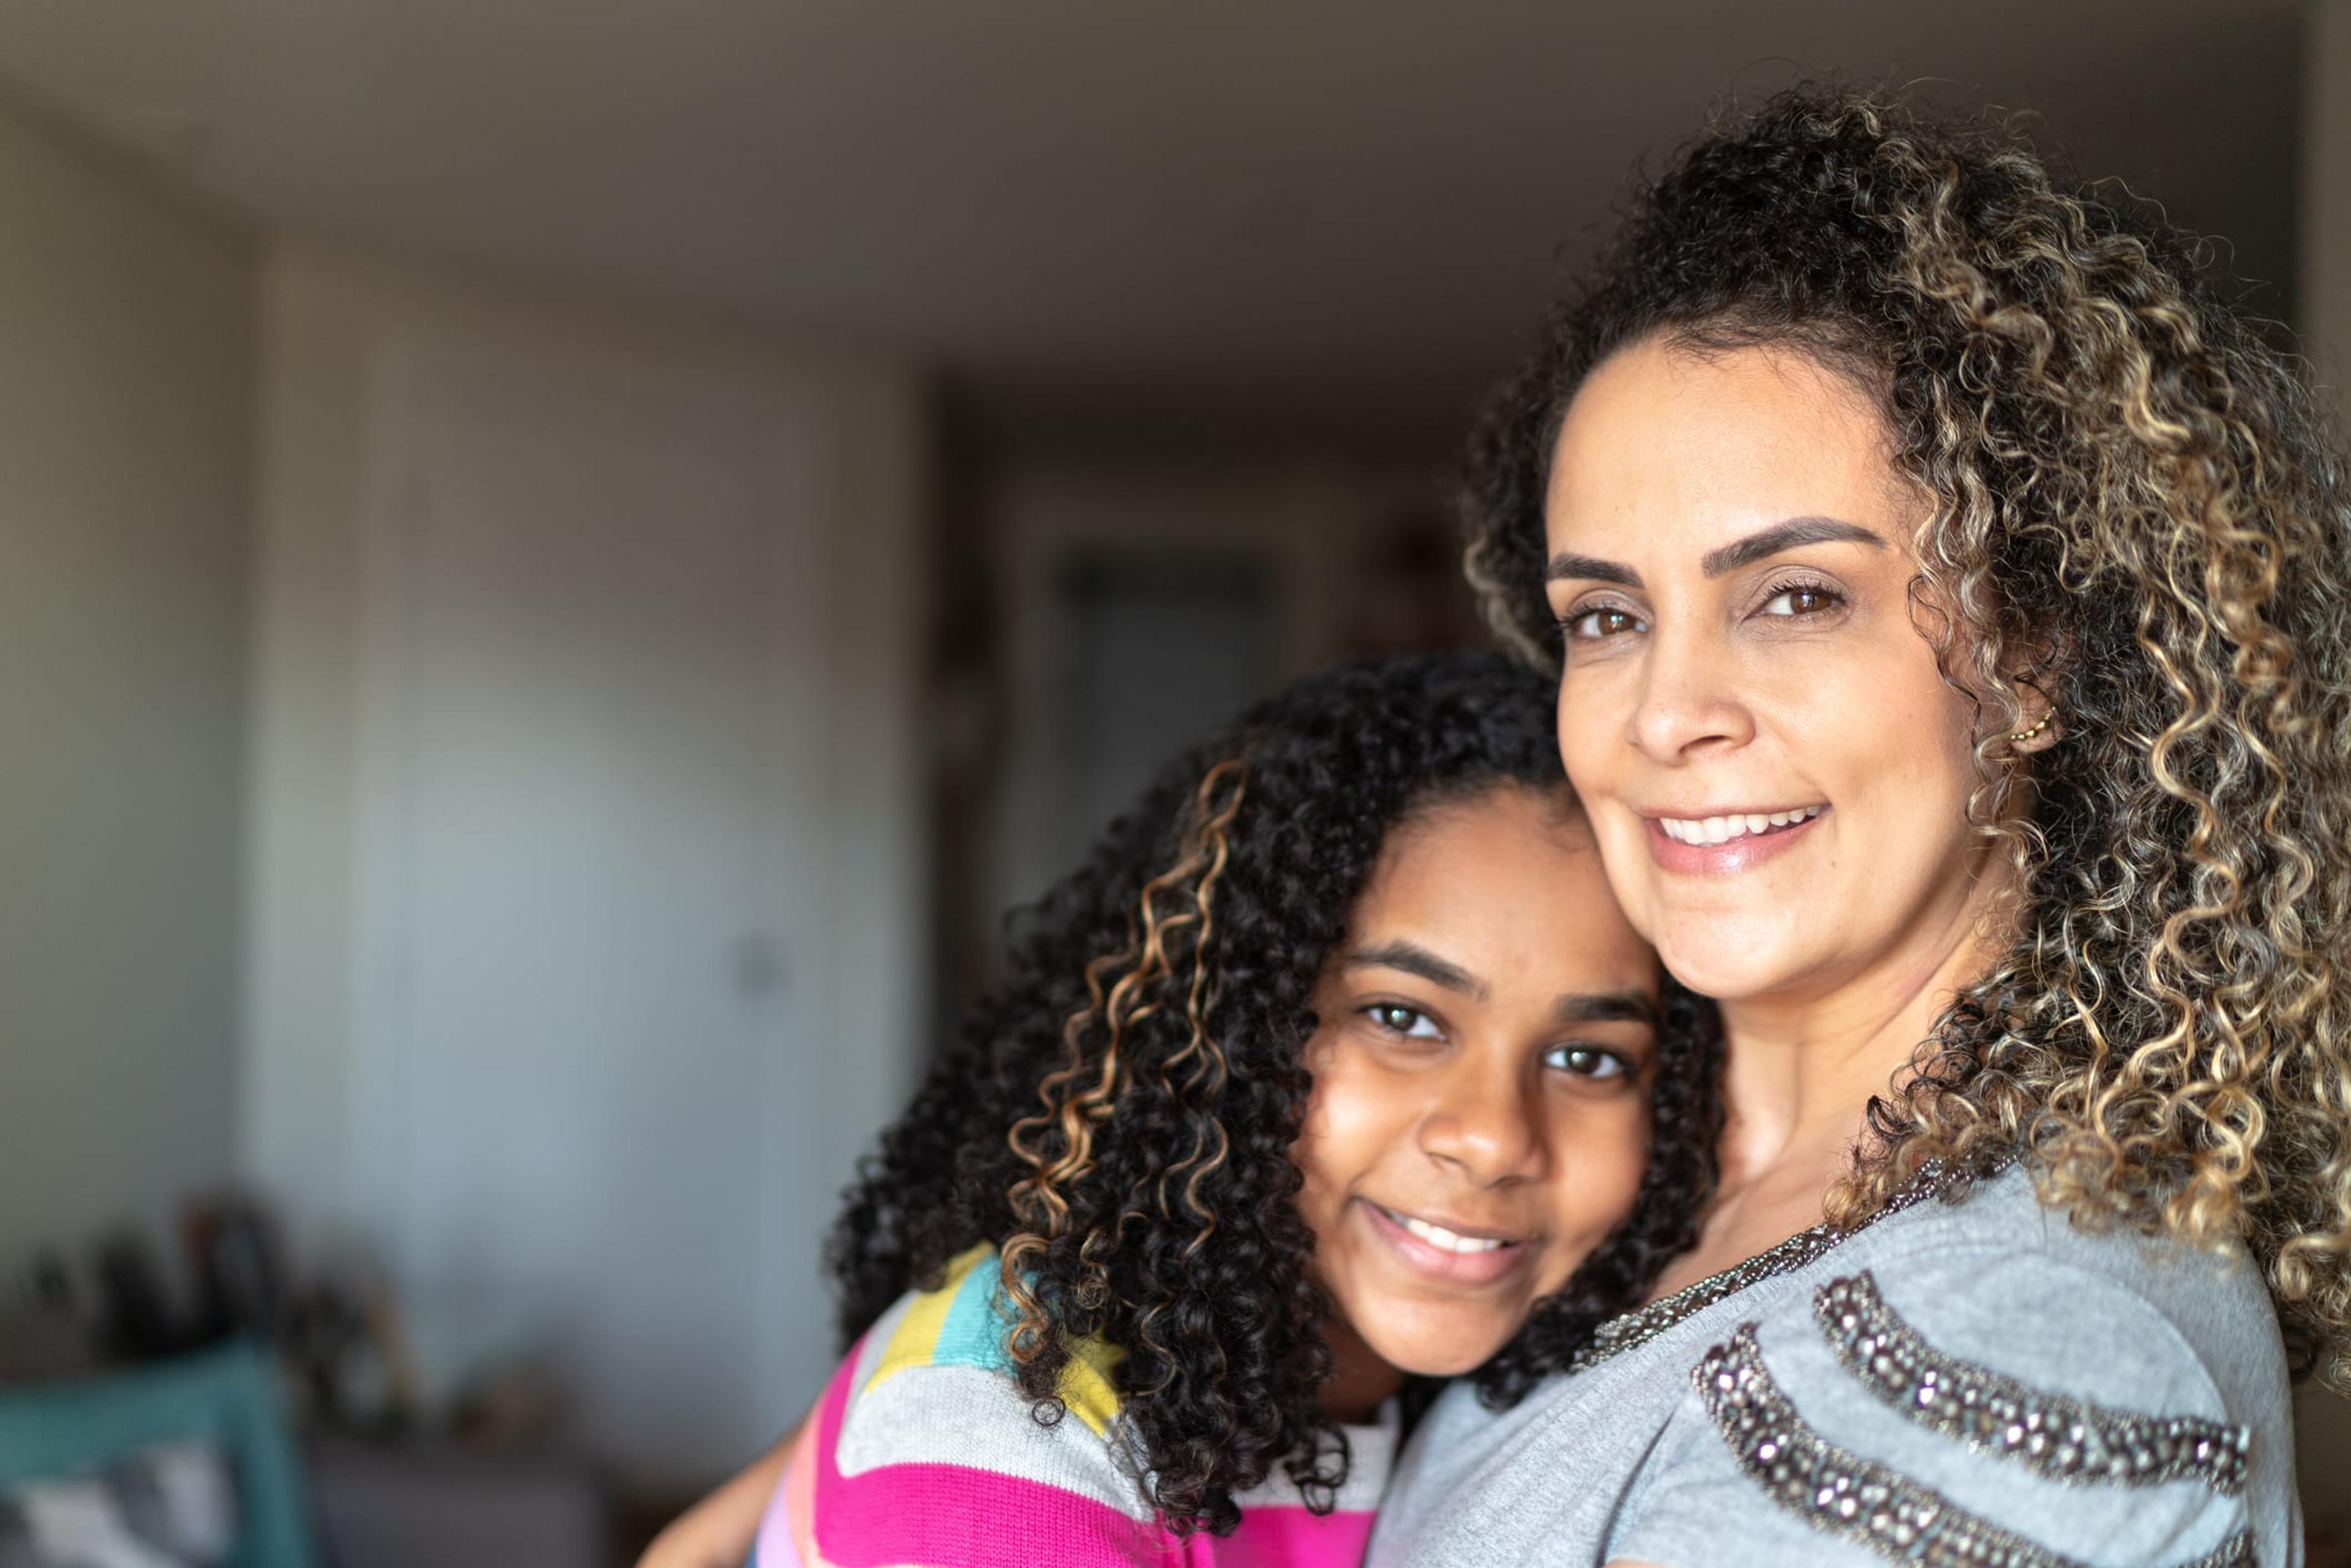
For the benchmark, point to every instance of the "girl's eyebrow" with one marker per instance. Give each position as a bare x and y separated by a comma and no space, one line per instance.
1607,1006
1414,959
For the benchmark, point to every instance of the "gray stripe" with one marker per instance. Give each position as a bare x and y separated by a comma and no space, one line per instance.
2060,1439
1857,1500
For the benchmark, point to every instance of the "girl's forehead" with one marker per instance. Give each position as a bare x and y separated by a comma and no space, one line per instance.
1511,872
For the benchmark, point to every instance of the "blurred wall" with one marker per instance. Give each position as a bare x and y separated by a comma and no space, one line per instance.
2324,291
585,846
126,318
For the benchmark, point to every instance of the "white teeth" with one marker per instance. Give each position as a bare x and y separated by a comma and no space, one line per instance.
1722,829
1438,1236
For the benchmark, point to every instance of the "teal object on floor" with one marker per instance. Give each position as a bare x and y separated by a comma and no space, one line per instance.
229,1396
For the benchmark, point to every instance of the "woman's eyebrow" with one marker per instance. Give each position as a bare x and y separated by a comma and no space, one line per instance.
1414,959
1567,564
1607,1006
1770,541
1755,546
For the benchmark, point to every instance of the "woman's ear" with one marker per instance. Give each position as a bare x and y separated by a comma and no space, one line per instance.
2040,731
2039,723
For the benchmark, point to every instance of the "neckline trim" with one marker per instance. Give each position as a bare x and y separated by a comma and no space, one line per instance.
1639,1326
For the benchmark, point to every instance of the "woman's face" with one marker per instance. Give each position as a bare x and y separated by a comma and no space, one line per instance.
1775,769
1482,1062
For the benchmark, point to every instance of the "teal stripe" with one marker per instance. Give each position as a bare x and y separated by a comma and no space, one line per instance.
973,1334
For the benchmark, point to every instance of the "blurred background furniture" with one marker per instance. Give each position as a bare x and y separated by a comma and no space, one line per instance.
228,1397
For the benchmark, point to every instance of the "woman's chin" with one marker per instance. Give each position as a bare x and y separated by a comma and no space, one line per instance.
1730,961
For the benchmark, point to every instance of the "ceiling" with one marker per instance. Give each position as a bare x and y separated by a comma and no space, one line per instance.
1333,221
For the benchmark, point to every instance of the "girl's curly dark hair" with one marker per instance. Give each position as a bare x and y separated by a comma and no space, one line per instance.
1118,1116
2135,514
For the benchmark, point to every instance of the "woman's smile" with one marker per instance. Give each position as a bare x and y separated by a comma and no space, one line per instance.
1721,843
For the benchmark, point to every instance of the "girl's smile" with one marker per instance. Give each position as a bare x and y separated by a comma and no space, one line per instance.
1459,1253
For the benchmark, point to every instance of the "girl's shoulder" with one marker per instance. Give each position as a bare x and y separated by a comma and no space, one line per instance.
946,1352
925,1449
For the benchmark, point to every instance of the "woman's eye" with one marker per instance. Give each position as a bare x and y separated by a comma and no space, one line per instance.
1586,1061
1599,622
1801,598
1399,1020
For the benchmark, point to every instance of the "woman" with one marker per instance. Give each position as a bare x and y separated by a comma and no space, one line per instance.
1950,595
1335,1064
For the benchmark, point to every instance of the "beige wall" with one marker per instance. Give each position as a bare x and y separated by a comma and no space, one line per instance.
124,444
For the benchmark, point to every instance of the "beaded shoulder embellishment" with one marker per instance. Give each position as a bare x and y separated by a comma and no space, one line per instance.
2061,1438
1638,1327
1842,1494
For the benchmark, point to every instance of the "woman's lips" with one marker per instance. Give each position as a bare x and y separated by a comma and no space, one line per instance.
1435,1261
1742,853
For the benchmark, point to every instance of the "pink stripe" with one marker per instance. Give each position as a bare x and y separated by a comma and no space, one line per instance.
955,1516
1292,1537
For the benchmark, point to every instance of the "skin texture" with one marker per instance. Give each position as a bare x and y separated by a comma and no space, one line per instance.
1801,678
1481,1062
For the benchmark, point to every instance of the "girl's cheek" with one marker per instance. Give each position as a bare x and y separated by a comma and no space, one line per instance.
1354,1117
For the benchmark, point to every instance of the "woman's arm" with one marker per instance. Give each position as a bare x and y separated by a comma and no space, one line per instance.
720,1531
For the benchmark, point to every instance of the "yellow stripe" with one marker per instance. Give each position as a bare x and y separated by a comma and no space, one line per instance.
916,1340
1086,1387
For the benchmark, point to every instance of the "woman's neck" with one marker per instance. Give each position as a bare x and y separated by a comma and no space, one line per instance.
1803,1065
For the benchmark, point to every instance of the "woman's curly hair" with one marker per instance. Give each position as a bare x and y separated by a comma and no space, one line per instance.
2136,517
1118,1116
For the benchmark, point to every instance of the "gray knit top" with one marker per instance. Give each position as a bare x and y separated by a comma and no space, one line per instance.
1956,1382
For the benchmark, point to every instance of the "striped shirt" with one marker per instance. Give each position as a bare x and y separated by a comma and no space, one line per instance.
923,1450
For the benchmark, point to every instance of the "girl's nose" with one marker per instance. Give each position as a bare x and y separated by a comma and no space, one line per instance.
1484,1127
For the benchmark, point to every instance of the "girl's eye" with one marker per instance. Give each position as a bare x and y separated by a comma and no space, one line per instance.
1586,1061
1598,623
1801,599
1397,1018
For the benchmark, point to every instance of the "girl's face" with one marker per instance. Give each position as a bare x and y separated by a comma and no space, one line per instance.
1775,769
1482,1055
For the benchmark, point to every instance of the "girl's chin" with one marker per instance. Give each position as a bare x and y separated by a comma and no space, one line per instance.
1432,1352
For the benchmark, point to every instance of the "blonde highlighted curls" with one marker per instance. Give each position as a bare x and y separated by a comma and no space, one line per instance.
2139,523
1167,955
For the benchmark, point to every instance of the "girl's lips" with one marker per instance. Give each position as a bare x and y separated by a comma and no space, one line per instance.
1742,853
1433,1263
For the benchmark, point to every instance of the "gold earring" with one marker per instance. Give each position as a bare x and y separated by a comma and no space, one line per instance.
2021,736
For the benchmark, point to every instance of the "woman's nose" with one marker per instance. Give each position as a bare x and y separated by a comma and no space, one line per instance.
1484,1127
1689,697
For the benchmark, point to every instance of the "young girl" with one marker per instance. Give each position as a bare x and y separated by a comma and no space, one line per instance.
1335,1064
